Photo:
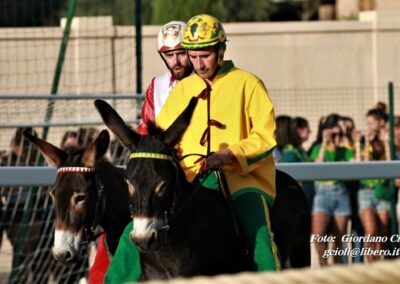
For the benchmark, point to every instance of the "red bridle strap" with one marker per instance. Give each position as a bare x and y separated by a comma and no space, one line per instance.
78,170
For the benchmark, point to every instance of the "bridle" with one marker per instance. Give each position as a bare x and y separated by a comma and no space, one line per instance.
172,213
100,205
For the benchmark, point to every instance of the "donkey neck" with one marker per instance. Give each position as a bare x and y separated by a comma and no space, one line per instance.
116,213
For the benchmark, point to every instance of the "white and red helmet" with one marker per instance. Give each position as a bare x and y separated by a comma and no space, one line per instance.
170,36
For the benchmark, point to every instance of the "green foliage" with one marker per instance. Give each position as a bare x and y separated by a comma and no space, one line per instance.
27,13
167,10
154,12
224,10
249,11
122,11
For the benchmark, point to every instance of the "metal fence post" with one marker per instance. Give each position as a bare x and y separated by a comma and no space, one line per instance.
392,187
59,66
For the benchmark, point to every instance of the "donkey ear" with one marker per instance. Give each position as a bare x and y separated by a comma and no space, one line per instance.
95,151
176,130
117,125
54,156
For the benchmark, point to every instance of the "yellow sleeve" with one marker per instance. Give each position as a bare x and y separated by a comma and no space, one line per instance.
259,144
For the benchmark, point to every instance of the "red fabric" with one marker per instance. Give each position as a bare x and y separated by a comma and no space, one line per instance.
101,262
147,109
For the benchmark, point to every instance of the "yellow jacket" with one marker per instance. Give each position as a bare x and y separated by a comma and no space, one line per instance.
240,102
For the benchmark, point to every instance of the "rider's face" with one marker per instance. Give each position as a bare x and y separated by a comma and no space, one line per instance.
204,61
178,63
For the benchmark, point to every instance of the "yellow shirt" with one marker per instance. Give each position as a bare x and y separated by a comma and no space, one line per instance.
240,102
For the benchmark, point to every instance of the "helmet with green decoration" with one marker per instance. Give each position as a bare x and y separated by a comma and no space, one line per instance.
203,31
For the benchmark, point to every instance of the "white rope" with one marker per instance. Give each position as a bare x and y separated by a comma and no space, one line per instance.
387,271
64,170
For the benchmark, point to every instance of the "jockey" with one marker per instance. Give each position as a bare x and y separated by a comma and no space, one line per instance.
169,46
234,125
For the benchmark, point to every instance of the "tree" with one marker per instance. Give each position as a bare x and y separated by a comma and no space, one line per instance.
249,11
27,13
167,10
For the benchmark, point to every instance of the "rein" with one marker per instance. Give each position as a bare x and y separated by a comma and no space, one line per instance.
172,214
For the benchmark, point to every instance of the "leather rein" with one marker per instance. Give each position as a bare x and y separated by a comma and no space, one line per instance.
173,212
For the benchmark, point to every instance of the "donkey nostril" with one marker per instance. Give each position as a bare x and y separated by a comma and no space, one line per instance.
68,256
65,257
152,240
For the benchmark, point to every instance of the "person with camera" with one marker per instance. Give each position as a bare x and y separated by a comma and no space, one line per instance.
332,200
373,194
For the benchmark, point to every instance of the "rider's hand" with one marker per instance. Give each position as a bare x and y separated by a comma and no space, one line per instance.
219,159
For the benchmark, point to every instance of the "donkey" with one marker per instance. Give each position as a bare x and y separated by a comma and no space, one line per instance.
181,229
88,191
27,217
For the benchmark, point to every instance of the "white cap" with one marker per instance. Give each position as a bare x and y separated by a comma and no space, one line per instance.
170,36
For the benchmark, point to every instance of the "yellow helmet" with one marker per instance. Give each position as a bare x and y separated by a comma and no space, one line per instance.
203,31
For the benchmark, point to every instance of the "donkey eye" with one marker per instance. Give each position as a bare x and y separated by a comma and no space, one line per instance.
131,187
160,188
79,198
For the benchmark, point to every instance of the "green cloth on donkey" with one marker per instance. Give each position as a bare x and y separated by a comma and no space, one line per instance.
121,270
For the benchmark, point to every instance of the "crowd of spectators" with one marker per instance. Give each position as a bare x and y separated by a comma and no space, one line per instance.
344,208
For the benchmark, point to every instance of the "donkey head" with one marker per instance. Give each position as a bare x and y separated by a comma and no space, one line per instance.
74,193
154,176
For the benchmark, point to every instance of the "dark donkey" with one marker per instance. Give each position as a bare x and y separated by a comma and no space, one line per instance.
197,221
88,191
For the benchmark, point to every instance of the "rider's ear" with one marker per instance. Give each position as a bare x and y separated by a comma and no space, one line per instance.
176,130
96,150
53,155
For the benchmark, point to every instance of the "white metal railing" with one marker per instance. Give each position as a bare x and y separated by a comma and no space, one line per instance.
35,176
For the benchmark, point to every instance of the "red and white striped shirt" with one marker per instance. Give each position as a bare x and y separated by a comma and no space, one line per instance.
156,95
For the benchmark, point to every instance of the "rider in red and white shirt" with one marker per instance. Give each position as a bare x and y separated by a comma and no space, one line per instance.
170,49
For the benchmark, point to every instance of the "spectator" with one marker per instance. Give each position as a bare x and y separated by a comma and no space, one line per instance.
397,136
347,126
349,139
69,140
282,135
22,152
374,212
299,132
331,200
293,152
87,135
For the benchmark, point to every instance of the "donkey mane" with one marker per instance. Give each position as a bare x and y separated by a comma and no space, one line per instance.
153,129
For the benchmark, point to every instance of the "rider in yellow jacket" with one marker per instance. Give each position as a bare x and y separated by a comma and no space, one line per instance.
234,120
